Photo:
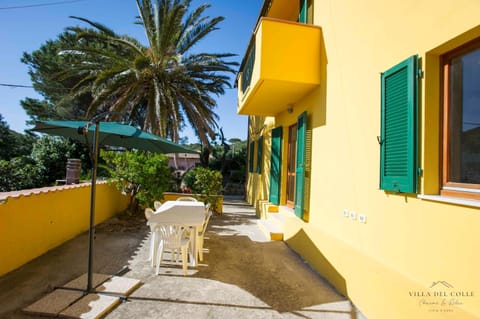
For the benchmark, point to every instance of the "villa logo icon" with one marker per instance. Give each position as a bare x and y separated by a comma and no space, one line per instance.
442,283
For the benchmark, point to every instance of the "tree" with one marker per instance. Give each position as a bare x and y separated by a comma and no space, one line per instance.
45,67
231,162
13,144
50,155
163,81
234,140
144,176
19,173
6,140
51,75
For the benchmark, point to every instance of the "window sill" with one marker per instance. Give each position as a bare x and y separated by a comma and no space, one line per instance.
451,200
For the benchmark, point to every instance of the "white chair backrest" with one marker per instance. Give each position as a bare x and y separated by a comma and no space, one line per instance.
207,207
205,223
171,234
157,204
186,199
149,213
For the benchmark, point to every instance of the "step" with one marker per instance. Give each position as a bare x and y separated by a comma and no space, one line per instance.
261,209
271,208
286,210
276,218
264,207
270,229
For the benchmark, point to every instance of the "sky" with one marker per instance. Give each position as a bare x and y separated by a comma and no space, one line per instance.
27,24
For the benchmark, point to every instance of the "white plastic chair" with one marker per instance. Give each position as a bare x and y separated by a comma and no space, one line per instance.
171,237
157,204
207,208
186,199
149,213
201,233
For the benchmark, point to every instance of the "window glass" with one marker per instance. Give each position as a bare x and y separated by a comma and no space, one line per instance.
291,164
464,118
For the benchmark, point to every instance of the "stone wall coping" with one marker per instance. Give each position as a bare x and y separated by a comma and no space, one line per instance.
36,191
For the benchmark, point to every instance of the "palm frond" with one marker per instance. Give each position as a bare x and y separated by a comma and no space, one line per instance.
97,25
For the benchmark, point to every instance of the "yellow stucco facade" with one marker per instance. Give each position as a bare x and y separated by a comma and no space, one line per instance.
416,254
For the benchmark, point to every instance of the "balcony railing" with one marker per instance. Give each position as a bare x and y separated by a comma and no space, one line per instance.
248,69
281,66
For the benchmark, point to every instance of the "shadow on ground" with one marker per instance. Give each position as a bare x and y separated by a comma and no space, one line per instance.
268,270
117,242
242,275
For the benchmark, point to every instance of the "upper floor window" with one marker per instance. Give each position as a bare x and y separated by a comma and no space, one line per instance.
461,122
306,11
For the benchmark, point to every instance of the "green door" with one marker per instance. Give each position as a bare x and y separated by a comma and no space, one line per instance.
251,153
275,165
300,169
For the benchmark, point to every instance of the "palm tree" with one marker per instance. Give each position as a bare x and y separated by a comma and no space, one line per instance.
163,82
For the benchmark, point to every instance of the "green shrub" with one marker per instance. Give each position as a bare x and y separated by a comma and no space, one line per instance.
144,176
50,155
205,182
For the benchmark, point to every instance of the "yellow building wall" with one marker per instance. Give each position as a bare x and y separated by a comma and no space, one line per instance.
388,264
41,220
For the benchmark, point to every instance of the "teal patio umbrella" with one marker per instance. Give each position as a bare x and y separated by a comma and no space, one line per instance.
99,134
110,134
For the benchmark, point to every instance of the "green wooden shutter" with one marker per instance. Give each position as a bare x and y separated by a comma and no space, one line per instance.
302,16
251,151
398,139
259,155
275,165
300,169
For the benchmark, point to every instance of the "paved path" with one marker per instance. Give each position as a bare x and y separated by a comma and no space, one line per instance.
242,276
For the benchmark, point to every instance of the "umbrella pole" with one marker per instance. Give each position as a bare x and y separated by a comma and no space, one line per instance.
91,232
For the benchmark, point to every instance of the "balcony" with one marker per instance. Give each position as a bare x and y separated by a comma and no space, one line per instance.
281,66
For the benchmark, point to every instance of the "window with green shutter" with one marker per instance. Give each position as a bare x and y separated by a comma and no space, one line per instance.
302,16
305,14
259,155
398,138
300,168
251,150
275,165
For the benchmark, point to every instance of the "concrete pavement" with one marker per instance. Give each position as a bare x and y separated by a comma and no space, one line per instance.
243,275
